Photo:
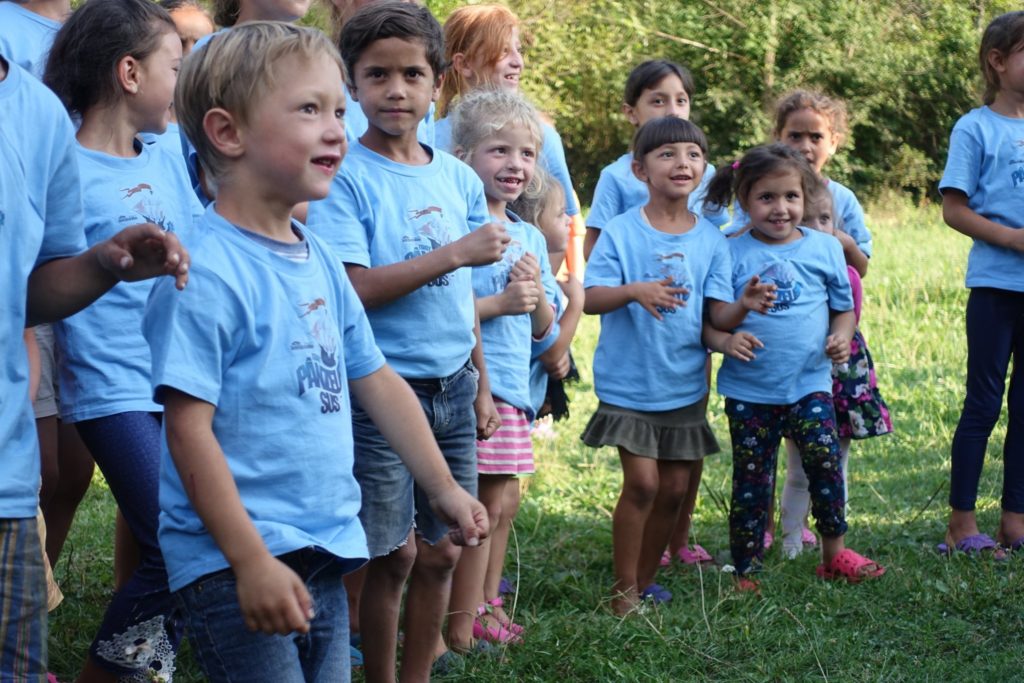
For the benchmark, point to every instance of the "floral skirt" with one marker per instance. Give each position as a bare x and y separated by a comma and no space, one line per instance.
860,410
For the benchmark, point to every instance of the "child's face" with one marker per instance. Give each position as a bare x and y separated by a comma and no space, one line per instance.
152,100
672,171
1010,70
775,204
192,24
505,72
819,216
294,140
810,133
505,161
554,222
667,97
394,85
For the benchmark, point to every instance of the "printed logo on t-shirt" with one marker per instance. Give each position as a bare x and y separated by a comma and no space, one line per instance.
784,276
146,203
429,231
319,370
503,268
672,266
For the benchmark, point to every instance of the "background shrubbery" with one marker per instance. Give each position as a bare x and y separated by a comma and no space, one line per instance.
907,68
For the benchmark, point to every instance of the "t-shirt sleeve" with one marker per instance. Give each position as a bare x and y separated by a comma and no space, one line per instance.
963,164
604,268
362,357
840,296
607,202
553,158
854,223
191,341
64,233
718,284
344,220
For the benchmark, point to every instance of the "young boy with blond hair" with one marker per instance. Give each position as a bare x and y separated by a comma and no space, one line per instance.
259,507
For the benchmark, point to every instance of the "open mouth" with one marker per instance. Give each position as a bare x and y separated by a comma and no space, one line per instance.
327,163
511,183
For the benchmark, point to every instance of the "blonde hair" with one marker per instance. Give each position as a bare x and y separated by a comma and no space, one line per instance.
477,32
484,112
832,108
235,71
530,208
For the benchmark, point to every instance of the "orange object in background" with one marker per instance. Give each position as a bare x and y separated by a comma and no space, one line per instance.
574,262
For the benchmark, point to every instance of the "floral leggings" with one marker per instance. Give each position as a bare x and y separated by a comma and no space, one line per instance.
756,430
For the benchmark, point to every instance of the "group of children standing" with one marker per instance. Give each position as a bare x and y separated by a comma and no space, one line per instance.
336,410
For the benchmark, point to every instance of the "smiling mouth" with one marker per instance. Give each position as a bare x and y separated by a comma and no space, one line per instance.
327,163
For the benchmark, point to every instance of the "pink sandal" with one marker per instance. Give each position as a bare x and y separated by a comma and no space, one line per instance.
696,556
495,634
516,629
851,567
808,538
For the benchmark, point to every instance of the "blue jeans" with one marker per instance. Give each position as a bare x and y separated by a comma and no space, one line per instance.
228,651
391,503
127,446
995,332
22,602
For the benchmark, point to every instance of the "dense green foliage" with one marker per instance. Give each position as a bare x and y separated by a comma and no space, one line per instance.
907,68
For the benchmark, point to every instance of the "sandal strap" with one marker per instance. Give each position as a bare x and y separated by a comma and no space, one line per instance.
496,602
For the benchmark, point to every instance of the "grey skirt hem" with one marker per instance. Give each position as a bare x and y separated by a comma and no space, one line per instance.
680,434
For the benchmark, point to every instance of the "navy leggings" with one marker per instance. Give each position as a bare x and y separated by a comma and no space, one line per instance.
142,626
995,332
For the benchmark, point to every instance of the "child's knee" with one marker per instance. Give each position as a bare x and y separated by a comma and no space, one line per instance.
396,565
439,558
640,491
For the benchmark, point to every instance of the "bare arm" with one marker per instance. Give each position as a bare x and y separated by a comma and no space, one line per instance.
487,419
62,287
650,295
383,284
757,296
272,597
738,345
959,216
589,240
567,324
841,329
396,412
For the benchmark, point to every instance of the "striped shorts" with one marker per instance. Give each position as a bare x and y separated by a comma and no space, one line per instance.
22,602
509,451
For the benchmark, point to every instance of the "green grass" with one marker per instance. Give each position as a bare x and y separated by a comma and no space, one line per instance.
928,619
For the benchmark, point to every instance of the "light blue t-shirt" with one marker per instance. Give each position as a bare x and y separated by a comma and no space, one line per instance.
845,204
26,37
641,362
619,190
40,220
272,343
552,157
105,364
380,212
356,122
507,338
170,140
812,280
986,162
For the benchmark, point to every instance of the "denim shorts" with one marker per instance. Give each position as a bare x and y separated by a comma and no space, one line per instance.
392,504
228,651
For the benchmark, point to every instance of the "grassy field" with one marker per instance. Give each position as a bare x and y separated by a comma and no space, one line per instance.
929,618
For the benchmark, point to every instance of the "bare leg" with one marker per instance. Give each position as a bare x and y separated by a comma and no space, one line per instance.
639,489
468,581
75,468
673,481
681,533
499,545
425,603
354,588
126,552
378,610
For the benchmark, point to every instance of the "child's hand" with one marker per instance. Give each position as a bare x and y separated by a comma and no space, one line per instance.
487,418
144,251
741,345
526,268
759,296
558,369
572,288
520,296
837,347
466,516
273,598
483,246
655,295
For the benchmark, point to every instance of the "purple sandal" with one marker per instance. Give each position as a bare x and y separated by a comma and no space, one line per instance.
973,546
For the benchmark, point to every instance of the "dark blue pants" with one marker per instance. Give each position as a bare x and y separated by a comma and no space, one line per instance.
142,627
995,332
